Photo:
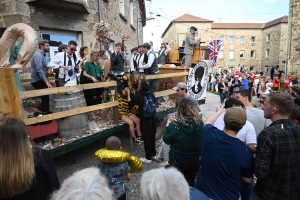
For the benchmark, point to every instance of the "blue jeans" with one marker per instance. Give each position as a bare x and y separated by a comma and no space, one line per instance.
223,96
254,196
246,189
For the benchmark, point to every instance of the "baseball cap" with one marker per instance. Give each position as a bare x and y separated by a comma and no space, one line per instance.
147,45
61,47
42,42
235,114
180,85
236,76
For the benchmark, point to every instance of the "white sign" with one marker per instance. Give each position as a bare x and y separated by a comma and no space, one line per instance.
197,80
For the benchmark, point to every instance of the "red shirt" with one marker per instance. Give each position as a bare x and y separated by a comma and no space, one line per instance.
287,82
276,82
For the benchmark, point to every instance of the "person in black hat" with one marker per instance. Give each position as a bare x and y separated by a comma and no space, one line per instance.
39,77
150,67
190,42
163,53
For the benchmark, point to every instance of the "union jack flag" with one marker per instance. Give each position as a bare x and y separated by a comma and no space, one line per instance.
214,48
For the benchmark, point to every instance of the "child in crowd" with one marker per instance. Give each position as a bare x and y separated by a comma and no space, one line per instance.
276,83
116,173
263,95
260,84
269,84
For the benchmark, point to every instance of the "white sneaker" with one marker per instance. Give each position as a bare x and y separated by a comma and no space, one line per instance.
144,160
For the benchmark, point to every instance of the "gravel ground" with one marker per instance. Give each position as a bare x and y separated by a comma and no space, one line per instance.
82,158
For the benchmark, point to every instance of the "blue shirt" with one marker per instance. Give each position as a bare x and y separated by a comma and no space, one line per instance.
114,173
38,67
245,85
197,195
224,159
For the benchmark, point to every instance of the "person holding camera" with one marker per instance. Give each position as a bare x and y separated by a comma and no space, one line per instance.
163,53
67,64
93,72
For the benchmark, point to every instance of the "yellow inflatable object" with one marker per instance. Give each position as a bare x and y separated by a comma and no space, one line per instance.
118,156
8,40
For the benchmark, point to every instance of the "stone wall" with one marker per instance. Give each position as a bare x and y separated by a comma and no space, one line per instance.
238,46
276,45
44,17
294,35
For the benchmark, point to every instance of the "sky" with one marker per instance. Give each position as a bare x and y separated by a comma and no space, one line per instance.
230,11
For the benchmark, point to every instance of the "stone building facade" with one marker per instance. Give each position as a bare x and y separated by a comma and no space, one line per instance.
294,35
62,20
254,45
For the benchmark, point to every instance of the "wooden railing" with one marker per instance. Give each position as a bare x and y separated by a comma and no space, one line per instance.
10,98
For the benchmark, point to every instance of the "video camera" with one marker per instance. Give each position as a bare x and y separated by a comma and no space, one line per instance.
115,77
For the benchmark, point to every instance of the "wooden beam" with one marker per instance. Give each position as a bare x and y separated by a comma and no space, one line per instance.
59,90
10,104
35,120
164,93
158,76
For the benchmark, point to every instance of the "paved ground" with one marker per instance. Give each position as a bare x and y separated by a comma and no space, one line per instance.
82,158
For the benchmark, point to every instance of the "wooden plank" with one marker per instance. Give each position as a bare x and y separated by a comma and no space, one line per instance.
10,104
35,120
164,93
59,90
158,76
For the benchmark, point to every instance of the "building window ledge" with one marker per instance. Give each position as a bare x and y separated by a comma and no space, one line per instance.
132,27
123,17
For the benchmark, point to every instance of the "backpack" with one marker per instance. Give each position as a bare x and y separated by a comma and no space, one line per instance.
149,109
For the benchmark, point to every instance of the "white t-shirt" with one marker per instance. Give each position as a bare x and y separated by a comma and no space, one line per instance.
246,134
256,117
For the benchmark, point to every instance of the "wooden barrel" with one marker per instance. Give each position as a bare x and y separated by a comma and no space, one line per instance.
75,125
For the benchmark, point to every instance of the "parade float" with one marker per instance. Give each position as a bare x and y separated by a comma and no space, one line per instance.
67,128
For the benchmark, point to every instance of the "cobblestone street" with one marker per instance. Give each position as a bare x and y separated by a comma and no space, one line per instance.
82,158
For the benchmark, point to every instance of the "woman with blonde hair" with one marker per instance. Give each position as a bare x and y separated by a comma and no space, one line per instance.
184,135
25,173
93,73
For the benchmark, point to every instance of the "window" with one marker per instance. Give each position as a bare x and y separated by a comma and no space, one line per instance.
131,12
231,54
266,69
56,38
221,55
221,37
268,37
203,53
252,54
122,7
267,53
253,39
242,54
251,68
181,39
231,39
188,30
242,38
